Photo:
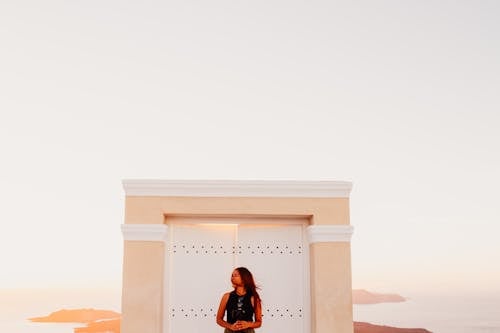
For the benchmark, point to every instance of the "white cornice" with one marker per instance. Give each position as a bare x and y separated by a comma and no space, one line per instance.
237,188
144,232
329,233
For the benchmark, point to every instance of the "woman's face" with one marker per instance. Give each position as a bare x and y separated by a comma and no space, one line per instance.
236,278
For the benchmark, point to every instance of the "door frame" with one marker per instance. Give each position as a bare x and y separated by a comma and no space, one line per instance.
174,220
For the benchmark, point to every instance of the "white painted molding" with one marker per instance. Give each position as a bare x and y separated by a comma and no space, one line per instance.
237,188
329,233
144,232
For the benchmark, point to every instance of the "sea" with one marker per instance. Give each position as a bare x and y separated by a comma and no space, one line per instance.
447,313
18,305
438,312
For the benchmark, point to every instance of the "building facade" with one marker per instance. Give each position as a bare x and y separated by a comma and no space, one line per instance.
182,239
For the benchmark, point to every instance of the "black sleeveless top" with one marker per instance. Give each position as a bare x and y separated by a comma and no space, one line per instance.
239,307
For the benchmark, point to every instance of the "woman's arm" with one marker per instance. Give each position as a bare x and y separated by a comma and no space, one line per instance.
258,314
220,314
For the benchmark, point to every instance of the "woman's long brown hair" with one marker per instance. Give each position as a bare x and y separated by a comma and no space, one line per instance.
249,283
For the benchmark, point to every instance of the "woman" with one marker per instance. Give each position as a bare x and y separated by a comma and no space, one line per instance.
240,305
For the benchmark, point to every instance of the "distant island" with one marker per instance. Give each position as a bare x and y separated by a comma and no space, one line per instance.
361,296
76,316
360,327
103,326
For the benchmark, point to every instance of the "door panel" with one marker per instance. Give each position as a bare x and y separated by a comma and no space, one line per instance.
274,255
201,257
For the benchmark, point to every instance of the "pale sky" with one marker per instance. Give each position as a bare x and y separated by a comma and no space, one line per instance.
399,97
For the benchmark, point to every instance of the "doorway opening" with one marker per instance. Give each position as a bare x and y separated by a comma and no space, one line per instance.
202,252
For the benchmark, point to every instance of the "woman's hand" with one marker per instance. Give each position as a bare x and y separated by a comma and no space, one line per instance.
235,327
241,325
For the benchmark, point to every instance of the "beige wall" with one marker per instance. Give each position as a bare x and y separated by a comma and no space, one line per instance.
331,295
142,297
153,209
143,266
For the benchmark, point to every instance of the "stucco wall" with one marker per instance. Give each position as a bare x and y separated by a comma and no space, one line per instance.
153,209
143,266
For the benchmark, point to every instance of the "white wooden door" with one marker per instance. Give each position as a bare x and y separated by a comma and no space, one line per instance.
202,256
275,256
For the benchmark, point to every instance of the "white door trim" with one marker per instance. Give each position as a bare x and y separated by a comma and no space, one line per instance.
237,188
145,232
329,233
